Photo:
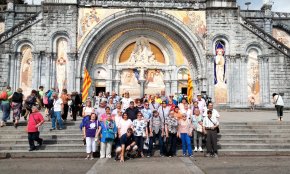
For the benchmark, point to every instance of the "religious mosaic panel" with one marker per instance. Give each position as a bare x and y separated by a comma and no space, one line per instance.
26,70
154,82
2,27
194,20
129,82
253,77
220,81
89,18
61,64
282,36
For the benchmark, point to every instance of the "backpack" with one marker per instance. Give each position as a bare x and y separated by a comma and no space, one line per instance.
45,100
17,97
4,95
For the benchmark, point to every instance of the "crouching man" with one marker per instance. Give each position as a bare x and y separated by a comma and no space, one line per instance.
127,144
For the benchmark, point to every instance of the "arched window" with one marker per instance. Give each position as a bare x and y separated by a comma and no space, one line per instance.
26,69
61,63
253,75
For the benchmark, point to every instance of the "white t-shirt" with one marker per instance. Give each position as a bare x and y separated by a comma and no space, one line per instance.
215,113
88,110
126,103
124,125
57,105
118,120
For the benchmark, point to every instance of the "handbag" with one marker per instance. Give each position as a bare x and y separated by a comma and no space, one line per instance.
217,128
199,128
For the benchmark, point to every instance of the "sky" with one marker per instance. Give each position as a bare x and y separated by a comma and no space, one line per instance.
278,6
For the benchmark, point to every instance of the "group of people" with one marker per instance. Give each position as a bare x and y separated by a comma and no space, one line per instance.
133,127
121,123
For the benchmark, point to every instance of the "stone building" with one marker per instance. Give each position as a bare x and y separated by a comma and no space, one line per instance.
148,46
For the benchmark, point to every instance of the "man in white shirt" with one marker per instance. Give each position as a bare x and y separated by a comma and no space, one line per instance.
126,101
210,125
215,113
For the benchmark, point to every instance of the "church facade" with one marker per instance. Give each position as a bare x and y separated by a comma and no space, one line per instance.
147,46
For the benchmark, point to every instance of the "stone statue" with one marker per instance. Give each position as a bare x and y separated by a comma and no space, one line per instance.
220,67
142,54
61,73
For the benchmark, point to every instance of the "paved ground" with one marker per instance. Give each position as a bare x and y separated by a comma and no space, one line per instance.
255,116
222,165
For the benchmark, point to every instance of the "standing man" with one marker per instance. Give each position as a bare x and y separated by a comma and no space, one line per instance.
215,113
164,97
154,105
279,105
210,125
132,111
5,105
34,122
65,97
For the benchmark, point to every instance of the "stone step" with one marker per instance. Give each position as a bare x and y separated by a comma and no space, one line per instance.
251,141
59,147
253,146
260,131
45,141
44,136
255,127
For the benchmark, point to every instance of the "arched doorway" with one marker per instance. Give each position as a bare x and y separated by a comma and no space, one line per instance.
111,39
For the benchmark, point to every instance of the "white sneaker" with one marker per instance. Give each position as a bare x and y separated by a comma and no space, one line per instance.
108,156
195,149
102,157
200,149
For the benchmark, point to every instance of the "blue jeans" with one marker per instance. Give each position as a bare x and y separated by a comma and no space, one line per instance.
161,144
5,107
186,144
56,115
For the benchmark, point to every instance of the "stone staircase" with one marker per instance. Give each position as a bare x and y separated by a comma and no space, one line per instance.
265,36
20,27
255,138
240,138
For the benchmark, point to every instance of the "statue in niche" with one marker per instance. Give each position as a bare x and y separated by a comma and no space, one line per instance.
61,73
142,53
26,73
220,68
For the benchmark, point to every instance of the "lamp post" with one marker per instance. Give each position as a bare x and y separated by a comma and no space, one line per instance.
248,4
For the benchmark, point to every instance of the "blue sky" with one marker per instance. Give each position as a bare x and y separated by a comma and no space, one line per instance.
278,6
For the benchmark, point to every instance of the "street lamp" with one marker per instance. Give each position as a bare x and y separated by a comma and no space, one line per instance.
248,4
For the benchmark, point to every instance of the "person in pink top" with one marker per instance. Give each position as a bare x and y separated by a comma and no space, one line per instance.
201,104
185,132
34,122
105,115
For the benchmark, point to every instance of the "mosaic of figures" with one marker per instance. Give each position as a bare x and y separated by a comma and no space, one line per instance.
2,27
253,76
195,20
220,81
26,69
89,18
282,36
61,64
154,81
129,82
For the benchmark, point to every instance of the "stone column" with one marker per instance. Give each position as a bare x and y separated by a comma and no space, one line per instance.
70,72
210,76
117,81
35,70
47,71
142,83
167,82
53,70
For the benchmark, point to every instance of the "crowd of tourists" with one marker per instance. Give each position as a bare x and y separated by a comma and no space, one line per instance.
120,125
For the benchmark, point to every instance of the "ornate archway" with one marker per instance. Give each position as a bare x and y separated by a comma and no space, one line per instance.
106,41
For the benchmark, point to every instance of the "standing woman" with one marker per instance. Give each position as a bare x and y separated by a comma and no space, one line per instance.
171,126
197,132
124,124
34,121
87,111
90,133
106,114
16,105
140,130
279,105
109,132
185,132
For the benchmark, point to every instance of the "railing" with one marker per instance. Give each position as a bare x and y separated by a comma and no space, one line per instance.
8,34
177,4
280,15
265,36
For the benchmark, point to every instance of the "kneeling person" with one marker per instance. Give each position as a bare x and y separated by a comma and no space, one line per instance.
127,144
